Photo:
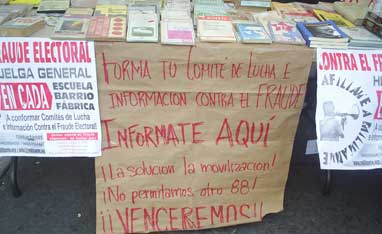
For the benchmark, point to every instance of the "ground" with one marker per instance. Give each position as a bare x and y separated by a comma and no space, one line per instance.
59,198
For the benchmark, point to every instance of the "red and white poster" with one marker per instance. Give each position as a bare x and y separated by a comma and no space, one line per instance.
349,113
48,98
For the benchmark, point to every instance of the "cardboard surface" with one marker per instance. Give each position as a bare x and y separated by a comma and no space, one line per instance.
195,138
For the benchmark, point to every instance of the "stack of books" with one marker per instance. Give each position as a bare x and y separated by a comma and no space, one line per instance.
373,23
143,23
323,34
177,27
22,26
8,12
360,38
255,5
53,6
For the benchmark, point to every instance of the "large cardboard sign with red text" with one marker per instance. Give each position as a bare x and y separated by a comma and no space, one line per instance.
195,137
48,98
349,113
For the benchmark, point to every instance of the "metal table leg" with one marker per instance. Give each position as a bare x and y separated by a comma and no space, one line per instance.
326,177
14,181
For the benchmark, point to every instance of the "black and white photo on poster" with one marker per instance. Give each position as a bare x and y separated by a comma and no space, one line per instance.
349,130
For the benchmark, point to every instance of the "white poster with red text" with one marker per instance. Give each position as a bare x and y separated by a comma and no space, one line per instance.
349,113
48,98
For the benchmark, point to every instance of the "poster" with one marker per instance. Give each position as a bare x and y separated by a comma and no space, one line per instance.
195,137
349,114
48,98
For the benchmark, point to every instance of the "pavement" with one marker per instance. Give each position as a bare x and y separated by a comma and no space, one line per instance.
59,198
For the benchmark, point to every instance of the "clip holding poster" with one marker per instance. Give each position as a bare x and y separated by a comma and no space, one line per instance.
48,98
348,115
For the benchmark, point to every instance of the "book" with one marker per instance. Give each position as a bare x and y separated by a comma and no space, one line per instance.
353,12
256,3
107,28
175,14
289,8
179,4
215,29
177,32
110,10
319,6
205,10
29,2
285,33
329,45
53,6
376,18
142,9
293,12
79,12
336,18
16,10
142,28
209,2
373,27
71,28
4,17
324,32
361,37
22,26
252,33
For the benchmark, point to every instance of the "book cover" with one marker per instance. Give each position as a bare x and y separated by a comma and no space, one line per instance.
256,3
110,10
142,28
107,28
175,14
142,9
325,31
71,28
215,29
336,18
79,11
285,32
353,12
252,33
53,6
177,32
22,26
289,9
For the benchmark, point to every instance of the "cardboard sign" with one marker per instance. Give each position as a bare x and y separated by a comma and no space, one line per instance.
48,98
349,114
195,137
